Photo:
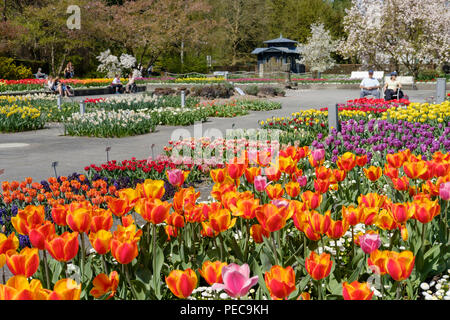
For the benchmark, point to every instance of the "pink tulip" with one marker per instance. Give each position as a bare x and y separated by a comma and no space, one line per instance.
260,183
279,203
236,280
176,177
369,242
302,181
444,191
318,154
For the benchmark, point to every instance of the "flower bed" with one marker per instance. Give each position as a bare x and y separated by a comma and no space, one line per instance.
15,118
318,230
106,124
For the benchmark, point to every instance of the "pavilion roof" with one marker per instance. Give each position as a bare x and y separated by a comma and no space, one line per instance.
276,49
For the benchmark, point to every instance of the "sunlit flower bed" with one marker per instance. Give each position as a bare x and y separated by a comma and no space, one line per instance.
107,124
298,228
17,118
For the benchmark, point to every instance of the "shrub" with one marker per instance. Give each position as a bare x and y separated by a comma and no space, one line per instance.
213,92
9,71
252,90
271,91
164,92
428,74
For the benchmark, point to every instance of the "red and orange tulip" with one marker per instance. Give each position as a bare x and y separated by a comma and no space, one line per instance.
347,161
311,199
154,211
66,289
274,191
39,234
7,243
251,173
28,218
101,219
212,271
101,241
18,288
24,263
59,213
373,173
272,218
245,208
318,267
356,291
63,247
257,233
221,220
182,283
104,284
79,220
425,209
400,265
152,189
415,169
280,282
218,175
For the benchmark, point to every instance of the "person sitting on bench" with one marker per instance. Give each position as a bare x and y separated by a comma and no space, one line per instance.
40,75
131,84
392,88
116,84
370,86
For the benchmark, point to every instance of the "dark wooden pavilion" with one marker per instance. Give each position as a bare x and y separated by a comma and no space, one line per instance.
280,55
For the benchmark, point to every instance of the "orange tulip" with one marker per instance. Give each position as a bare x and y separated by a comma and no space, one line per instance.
63,247
251,173
101,241
377,261
385,221
351,215
401,184
272,218
373,173
182,283
356,291
18,288
66,289
396,160
152,189
319,223
218,175
123,205
273,173
79,219
400,212
101,220
311,199
184,200
257,232
124,246
59,213
235,170
24,263
207,230
347,161
245,208
425,209
212,271
104,284
220,220
287,165
318,267
280,282
274,191
337,229
400,265
304,296
28,218
323,173
415,169
390,172
7,243
154,211
39,234
292,189
361,161
339,175
171,232
321,186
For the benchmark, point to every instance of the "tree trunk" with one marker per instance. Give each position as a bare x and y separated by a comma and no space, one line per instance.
61,66
182,56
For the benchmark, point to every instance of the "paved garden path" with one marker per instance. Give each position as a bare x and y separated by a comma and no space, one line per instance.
30,154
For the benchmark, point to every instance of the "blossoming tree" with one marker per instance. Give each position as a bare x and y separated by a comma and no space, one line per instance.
317,51
404,32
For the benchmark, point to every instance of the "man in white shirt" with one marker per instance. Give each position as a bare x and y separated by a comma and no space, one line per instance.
370,86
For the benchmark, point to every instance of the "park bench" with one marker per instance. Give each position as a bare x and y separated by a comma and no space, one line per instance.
408,80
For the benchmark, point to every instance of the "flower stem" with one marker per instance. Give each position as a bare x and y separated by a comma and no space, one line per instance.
127,275
105,266
274,249
247,241
222,247
155,276
83,253
47,278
